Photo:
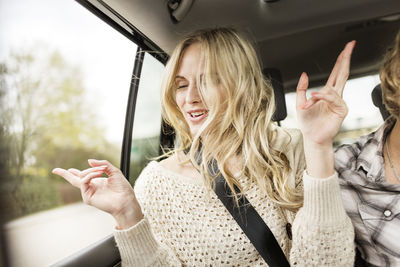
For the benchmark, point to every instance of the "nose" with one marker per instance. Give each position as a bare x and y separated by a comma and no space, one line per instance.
192,95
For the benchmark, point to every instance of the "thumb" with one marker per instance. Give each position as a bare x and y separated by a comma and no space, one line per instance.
301,90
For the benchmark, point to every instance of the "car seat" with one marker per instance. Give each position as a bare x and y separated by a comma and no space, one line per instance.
376,96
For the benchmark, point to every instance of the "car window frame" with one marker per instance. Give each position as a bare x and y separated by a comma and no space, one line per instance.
144,46
85,257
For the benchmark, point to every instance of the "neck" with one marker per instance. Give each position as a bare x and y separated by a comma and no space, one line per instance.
393,146
394,140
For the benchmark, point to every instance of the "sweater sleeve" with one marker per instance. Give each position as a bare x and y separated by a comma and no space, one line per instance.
323,234
138,245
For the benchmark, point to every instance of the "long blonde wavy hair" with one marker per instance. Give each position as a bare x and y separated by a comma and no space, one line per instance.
240,103
390,78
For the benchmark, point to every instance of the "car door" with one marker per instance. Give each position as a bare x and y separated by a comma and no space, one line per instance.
137,143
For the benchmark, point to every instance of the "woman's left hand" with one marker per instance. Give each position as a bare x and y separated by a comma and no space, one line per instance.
321,116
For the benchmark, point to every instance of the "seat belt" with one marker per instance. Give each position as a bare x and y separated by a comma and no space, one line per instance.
247,218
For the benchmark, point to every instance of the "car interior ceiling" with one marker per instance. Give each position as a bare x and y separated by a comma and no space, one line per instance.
292,36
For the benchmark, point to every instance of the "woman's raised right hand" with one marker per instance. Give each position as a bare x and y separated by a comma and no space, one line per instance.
112,194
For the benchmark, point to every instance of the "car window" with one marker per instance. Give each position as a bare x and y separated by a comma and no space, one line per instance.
64,81
363,117
147,121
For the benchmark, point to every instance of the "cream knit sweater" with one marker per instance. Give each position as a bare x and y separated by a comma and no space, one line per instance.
187,225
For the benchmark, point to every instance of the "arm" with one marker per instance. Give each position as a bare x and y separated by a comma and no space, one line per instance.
139,247
114,195
321,116
323,235
322,232
144,243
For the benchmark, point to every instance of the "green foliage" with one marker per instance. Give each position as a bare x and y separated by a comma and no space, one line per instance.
35,193
46,122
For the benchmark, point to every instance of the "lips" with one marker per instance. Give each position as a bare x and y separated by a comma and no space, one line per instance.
197,115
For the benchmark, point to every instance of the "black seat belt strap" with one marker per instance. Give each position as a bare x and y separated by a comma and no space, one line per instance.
252,224
248,219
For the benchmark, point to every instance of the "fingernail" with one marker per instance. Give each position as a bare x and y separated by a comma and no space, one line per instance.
351,43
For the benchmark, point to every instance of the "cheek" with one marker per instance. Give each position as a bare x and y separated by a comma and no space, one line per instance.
179,99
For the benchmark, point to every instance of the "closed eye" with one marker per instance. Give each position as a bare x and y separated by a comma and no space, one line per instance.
180,82
181,86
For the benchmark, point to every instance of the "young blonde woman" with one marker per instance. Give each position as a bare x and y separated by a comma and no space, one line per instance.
214,93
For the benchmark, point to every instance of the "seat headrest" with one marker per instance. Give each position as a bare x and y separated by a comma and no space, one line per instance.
376,96
274,75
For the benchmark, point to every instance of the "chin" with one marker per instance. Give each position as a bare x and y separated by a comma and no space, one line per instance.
194,131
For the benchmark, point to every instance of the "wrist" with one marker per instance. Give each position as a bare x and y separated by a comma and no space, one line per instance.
319,158
128,217
318,145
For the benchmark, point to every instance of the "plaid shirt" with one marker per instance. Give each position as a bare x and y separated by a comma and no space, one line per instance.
372,203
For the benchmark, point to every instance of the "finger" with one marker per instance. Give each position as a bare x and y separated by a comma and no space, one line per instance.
89,170
340,67
335,103
70,177
344,70
332,77
75,171
301,90
309,103
329,96
86,180
110,168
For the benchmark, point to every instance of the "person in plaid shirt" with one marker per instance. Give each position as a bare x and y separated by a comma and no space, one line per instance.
369,172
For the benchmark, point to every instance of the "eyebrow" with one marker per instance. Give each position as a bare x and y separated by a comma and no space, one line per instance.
181,77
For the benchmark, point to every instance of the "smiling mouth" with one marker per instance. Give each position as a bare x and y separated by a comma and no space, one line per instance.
197,114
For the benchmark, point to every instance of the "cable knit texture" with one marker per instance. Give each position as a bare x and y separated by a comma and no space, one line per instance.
186,224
